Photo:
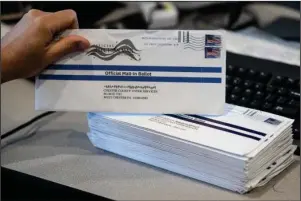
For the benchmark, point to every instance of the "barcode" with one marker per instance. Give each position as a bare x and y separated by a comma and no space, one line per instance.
250,112
183,36
273,121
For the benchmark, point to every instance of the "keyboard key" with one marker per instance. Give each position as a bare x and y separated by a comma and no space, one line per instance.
241,72
267,107
285,111
228,89
231,70
244,101
258,86
252,73
248,93
233,98
290,112
270,98
296,133
248,84
255,104
277,110
293,103
259,95
281,100
270,88
290,82
237,81
282,91
236,90
229,79
278,80
295,94
264,77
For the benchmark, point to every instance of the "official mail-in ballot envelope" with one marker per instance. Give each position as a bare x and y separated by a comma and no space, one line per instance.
138,71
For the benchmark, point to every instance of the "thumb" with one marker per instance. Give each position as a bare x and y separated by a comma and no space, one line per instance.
64,46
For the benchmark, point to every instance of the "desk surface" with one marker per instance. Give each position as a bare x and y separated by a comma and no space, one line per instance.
61,152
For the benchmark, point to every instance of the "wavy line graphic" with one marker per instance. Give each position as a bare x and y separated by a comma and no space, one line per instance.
193,45
197,38
193,48
194,41
124,47
197,48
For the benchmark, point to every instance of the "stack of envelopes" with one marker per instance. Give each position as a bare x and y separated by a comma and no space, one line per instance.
240,150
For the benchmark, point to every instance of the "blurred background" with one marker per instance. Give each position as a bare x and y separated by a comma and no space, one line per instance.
280,19
271,22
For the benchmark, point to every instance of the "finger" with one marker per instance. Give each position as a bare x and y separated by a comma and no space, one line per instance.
34,13
22,25
66,46
60,21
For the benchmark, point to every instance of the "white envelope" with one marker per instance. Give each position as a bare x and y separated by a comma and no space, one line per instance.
138,71
240,150
241,131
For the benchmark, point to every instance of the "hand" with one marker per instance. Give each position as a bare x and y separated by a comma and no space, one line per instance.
30,47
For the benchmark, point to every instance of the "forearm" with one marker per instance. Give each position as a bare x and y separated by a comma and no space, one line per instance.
6,66
3,68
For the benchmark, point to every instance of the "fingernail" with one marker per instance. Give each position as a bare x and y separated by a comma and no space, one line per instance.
81,46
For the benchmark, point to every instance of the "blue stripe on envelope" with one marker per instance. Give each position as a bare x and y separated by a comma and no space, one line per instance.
213,126
130,78
228,124
192,69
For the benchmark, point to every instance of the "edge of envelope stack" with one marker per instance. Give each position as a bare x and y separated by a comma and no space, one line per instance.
229,161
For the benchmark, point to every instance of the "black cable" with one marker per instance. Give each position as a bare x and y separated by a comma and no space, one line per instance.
22,126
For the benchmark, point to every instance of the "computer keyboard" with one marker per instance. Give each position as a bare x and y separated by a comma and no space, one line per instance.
264,85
